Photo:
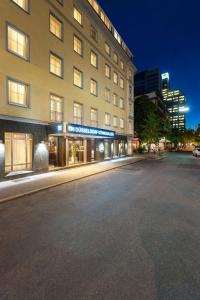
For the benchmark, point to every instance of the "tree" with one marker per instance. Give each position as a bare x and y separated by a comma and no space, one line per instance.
151,130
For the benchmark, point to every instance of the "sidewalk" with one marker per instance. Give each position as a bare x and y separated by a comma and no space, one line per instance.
25,186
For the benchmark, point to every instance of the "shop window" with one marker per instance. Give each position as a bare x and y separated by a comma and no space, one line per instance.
18,151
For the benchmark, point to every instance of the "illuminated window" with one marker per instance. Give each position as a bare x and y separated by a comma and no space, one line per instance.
18,42
56,108
94,59
115,79
107,71
56,65
107,49
78,45
93,87
78,16
78,78
121,103
121,123
107,119
121,83
107,94
18,93
115,57
56,27
78,113
115,99
115,121
24,4
94,117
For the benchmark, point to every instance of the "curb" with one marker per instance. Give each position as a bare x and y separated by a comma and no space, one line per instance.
4,200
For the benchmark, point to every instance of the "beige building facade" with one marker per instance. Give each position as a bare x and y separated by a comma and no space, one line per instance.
66,85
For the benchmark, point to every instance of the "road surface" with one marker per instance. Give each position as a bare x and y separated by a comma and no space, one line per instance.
131,233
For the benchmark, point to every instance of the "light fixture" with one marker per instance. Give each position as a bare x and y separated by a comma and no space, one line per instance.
184,109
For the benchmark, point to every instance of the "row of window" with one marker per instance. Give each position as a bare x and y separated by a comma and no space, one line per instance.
57,29
18,44
18,94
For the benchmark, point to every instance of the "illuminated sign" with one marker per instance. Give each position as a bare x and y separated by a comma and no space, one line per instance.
165,76
79,129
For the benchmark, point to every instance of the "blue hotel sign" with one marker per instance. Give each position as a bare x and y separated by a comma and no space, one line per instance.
79,129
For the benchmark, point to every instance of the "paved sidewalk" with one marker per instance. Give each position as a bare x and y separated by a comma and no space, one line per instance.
24,186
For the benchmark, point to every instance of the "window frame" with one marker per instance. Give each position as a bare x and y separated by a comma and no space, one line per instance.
27,106
97,113
82,112
8,24
108,114
62,26
24,10
92,79
75,7
62,64
76,36
80,87
55,95
97,60
106,65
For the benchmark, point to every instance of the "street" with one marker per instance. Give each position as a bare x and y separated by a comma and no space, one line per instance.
130,233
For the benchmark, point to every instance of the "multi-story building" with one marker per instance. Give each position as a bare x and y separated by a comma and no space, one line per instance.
175,102
66,85
147,81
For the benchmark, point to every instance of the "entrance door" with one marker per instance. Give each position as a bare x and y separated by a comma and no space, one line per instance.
76,152
18,151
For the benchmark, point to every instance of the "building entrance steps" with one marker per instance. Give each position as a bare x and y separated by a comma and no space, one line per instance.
16,188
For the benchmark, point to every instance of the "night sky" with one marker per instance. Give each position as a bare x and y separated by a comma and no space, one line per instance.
163,34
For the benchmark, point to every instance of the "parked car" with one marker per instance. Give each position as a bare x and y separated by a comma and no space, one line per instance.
196,152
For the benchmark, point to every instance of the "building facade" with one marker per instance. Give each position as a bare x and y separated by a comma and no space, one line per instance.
147,81
66,85
176,104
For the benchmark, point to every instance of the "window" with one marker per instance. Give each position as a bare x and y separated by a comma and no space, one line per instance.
78,16
115,78
56,108
115,57
107,94
94,5
78,45
121,83
78,78
93,87
121,123
121,103
107,71
94,117
122,65
56,26
115,121
78,113
115,99
56,65
107,49
17,42
60,1
18,93
107,119
94,34
24,4
94,59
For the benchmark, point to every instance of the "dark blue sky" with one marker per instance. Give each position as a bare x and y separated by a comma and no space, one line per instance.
164,34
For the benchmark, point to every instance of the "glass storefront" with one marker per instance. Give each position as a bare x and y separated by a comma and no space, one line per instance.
53,151
122,148
76,152
18,151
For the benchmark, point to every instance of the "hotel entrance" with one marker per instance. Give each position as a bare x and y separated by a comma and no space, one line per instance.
18,151
76,152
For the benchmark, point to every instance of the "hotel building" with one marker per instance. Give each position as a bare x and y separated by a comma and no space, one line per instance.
66,85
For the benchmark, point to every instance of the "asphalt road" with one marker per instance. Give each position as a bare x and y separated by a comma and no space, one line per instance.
132,233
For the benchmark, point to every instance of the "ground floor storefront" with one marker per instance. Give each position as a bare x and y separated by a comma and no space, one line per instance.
38,147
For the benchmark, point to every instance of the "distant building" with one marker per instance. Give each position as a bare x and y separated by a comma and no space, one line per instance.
147,81
175,102
165,81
